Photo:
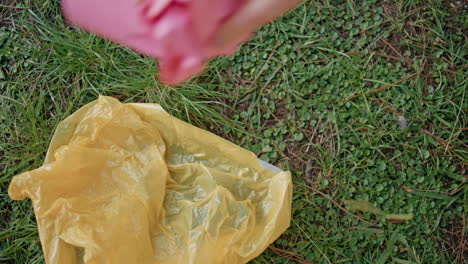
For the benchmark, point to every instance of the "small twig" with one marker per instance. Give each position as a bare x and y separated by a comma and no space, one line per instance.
460,128
265,64
11,99
284,251
275,117
312,136
441,229
387,107
292,153
461,244
393,48
409,190
457,190
383,87
235,76
324,139
12,6
461,142
289,255
339,206
446,144
436,137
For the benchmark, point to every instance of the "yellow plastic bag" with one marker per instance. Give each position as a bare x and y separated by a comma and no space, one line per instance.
129,183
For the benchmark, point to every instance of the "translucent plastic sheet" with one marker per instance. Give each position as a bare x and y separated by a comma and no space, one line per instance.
129,183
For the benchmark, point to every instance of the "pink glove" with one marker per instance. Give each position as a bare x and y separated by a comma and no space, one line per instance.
183,34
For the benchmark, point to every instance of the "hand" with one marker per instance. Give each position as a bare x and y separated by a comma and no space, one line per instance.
250,18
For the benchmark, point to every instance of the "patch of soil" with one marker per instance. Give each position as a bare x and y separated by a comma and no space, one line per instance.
7,11
455,240
417,37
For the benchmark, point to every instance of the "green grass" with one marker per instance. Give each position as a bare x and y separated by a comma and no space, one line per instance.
300,95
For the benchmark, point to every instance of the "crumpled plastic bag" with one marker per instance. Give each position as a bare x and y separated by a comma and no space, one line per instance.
129,183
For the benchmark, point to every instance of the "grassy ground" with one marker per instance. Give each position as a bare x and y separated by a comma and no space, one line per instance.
324,92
